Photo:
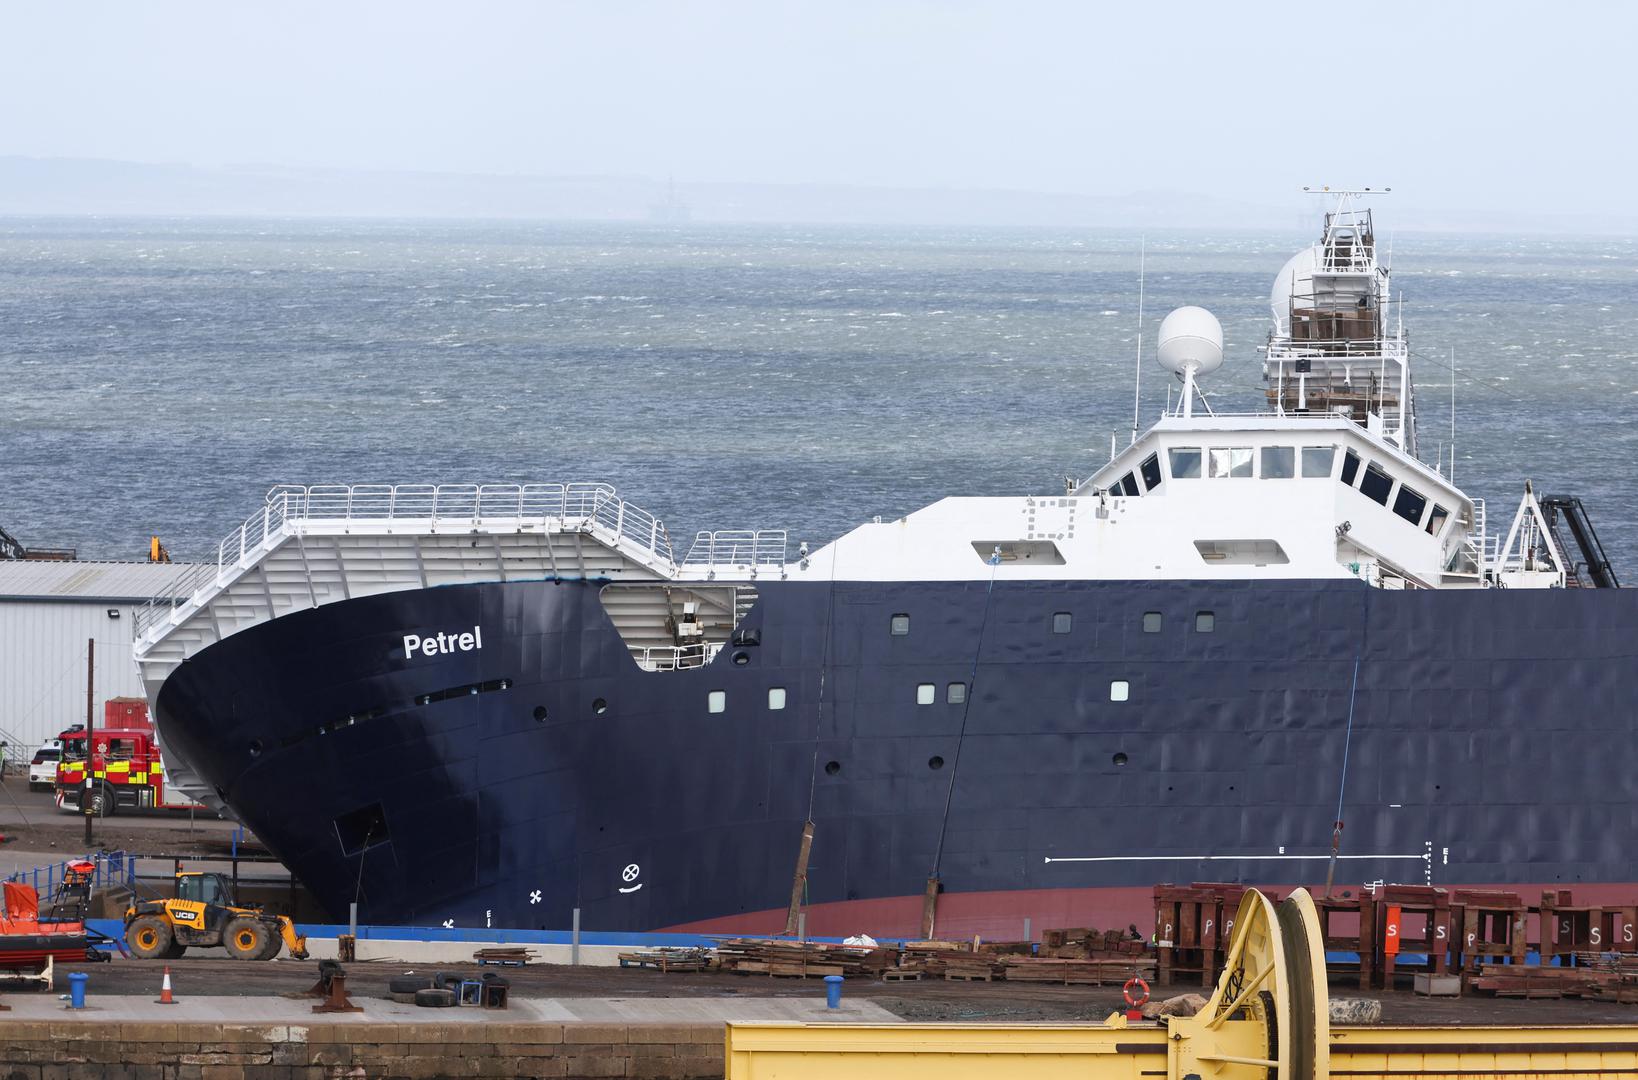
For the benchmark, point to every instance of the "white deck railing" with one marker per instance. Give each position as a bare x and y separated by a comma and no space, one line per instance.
419,506
676,657
737,547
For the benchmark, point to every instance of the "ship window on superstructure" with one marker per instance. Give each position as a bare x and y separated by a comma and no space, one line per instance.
1350,467
776,698
1151,471
1232,461
900,625
1279,462
1185,462
926,693
1377,484
1316,460
1205,622
1061,622
1436,520
1128,485
716,701
1119,690
1409,504
1151,622
956,693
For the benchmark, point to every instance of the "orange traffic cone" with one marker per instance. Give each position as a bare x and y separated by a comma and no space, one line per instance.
165,989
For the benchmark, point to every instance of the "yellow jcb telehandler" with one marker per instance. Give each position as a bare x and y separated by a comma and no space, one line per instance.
202,913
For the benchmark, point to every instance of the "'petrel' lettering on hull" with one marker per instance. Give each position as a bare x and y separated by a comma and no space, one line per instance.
433,644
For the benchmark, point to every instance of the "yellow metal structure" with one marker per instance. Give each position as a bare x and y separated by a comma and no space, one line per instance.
1268,1019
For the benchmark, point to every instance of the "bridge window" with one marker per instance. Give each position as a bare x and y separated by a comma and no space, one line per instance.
1279,462
899,626
1436,520
1233,461
776,698
1128,485
1377,484
1316,460
1350,467
1185,462
1151,471
1409,504
1062,621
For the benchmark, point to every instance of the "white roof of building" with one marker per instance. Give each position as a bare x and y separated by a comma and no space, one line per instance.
27,579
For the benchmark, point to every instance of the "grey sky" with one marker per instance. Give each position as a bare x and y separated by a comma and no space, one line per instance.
1488,105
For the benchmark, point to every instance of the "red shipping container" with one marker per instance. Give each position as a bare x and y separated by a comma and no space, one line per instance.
126,713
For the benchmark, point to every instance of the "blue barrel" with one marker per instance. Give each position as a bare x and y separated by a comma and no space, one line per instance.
833,991
76,989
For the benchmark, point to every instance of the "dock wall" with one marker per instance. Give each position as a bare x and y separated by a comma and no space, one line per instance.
68,1050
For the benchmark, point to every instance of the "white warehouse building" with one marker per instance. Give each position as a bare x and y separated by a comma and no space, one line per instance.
49,611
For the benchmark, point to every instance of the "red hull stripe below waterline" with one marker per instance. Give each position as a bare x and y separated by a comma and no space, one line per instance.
999,916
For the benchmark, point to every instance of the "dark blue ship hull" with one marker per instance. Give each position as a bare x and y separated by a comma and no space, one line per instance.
1488,737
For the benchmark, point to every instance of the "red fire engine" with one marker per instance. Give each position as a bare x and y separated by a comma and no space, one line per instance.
126,765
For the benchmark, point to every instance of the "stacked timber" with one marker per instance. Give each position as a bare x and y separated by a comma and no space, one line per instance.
507,956
667,960
928,957
1597,977
1111,971
1085,943
801,959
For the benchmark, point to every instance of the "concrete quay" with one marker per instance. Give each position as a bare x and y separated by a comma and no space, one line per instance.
240,1038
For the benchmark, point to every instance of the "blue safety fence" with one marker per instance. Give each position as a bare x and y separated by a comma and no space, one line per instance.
111,868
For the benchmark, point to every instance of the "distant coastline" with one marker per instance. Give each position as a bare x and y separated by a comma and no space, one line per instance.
84,186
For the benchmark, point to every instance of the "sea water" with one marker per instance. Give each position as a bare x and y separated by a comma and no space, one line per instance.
161,375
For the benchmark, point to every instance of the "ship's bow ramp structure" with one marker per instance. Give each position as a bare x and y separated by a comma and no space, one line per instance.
307,547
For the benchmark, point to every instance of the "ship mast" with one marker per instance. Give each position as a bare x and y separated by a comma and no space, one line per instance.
1338,346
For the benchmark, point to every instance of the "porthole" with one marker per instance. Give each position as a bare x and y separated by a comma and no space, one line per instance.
899,626
832,768
956,693
599,706
540,713
935,763
1151,622
926,693
255,748
1119,760
1062,621
1204,622
1119,690
741,658
716,701
776,697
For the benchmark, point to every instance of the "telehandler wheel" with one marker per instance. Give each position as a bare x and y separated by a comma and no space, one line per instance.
274,944
245,938
149,937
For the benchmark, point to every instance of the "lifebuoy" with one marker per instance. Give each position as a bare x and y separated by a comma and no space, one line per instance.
1126,992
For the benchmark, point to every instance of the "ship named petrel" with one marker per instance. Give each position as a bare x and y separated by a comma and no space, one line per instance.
1271,647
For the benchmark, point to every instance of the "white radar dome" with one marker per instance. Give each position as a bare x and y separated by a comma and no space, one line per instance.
1191,337
1295,279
